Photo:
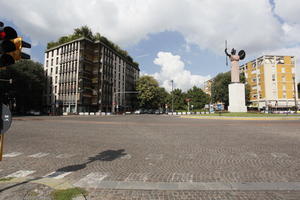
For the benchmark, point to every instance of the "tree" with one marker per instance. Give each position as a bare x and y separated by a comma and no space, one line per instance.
219,88
27,86
84,31
198,97
148,88
178,99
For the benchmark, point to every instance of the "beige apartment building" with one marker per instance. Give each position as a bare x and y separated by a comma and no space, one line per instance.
272,81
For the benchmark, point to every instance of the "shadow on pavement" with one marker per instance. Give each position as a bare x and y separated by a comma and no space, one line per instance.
108,155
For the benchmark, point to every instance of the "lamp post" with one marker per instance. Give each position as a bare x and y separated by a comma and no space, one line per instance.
295,94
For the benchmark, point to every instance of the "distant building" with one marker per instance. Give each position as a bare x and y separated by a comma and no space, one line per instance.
272,81
87,76
207,86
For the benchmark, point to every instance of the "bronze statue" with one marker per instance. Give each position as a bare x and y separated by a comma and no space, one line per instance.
235,68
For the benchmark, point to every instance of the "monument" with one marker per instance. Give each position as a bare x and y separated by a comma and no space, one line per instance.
236,89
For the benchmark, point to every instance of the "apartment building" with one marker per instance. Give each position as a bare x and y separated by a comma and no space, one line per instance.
207,86
88,76
272,81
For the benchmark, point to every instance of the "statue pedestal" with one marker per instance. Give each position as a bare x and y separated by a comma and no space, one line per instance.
237,97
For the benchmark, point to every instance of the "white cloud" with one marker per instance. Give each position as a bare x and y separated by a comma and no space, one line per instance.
245,24
172,68
249,25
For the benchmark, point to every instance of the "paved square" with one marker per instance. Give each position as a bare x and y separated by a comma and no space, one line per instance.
158,157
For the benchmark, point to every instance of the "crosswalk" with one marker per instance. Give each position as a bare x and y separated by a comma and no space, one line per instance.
38,155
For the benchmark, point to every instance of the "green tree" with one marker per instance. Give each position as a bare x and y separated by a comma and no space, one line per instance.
219,88
27,87
84,31
178,99
161,98
148,88
198,97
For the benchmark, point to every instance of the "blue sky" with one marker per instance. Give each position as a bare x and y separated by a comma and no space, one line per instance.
181,40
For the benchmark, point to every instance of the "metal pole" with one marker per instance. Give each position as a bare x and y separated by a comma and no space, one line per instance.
295,97
172,98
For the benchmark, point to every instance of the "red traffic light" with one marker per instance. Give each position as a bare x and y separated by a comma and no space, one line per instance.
2,35
8,33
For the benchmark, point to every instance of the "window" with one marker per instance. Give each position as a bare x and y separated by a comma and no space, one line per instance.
56,60
283,70
283,78
51,70
55,89
284,87
47,63
55,79
284,94
51,62
51,53
56,70
273,77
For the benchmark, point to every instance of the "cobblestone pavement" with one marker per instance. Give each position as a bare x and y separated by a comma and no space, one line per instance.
157,157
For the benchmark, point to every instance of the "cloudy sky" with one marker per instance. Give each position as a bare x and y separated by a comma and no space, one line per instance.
180,40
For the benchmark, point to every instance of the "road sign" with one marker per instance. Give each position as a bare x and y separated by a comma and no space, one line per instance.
5,119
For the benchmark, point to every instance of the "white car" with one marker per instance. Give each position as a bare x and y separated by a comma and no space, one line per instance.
137,112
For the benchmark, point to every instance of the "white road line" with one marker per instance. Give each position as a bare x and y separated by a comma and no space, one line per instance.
12,154
57,174
127,157
65,155
137,177
152,156
38,155
280,155
19,174
91,180
182,177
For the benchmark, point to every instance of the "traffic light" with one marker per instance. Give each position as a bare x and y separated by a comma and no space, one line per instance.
11,46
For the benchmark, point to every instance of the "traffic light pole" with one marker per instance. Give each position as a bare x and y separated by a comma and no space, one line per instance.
1,127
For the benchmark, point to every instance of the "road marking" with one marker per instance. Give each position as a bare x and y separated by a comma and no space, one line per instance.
127,157
21,173
152,156
38,155
182,177
92,180
280,155
12,154
57,174
137,177
251,154
65,155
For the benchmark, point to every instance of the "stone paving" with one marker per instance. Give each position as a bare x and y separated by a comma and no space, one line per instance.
156,157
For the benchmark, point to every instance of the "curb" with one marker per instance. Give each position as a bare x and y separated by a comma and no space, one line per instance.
243,118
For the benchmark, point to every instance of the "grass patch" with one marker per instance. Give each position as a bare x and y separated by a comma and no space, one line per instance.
68,194
6,179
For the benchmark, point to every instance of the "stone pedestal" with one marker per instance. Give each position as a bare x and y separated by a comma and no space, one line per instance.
237,98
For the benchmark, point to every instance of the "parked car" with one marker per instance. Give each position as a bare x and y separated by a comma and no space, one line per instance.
137,112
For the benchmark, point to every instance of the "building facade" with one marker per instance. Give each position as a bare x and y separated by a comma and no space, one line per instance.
272,81
88,76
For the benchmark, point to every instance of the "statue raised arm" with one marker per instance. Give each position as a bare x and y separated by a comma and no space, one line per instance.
235,69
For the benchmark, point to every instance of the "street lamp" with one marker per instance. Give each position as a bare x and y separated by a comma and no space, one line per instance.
295,96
